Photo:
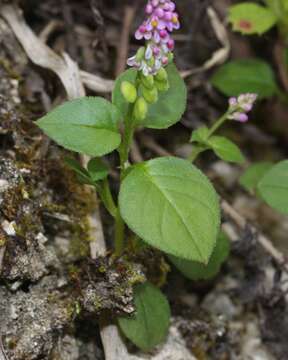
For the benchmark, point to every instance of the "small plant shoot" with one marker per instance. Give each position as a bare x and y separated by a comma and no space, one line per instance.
169,203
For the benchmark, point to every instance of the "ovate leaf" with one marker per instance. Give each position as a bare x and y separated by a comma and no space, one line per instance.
196,271
273,187
250,18
170,106
246,75
88,125
254,174
82,174
226,149
149,326
172,206
200,135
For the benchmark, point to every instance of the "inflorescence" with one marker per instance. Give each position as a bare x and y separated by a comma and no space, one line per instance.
240,106
161,20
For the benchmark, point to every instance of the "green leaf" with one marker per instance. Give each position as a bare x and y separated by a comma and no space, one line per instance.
76,166
254,174
200,135
273,187
250,18
172,206
88,125
170,106
197,271
226,149
149,326
97,169
82,173
246,75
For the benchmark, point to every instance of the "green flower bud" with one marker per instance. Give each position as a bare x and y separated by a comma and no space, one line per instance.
170,57
147,81
162,86
161,75
151,62
150,95
129,91
140,54
140,109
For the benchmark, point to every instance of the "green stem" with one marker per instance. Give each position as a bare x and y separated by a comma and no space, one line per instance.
124,155
107,198
218,123
127,138
119,234
198,149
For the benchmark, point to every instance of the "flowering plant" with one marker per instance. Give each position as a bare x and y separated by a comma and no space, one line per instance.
167,203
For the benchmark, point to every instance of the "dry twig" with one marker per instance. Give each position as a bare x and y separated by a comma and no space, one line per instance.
3,355
219,56
129,13
41,55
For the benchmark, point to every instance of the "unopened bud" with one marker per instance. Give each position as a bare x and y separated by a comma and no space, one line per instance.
140,54
140,109
162,86
129,91
150,95
170,57
161,75
148,81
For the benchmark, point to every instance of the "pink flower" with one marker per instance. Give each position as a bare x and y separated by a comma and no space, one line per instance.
161,20
240,106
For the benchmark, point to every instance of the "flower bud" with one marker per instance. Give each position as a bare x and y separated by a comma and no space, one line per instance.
162,86
150,95
140,109
140,54
129,91
170,57
161,75
148,81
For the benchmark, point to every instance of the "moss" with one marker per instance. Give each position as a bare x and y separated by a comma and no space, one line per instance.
98,304
73,309
2,239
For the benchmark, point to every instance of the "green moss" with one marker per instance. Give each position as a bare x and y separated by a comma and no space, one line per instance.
98,304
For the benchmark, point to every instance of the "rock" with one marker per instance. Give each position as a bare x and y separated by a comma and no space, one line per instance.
173,349
30,321
221,304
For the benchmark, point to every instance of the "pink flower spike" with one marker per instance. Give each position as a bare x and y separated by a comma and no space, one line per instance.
155,3
247,107
233,101
240,117
156,51
168,16
138,35
165,60
159,12
149,9
163,33
171,44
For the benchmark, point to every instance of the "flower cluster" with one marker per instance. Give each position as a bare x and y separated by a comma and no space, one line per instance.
160,21
240,106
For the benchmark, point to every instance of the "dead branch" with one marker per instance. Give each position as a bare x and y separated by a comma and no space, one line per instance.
41,55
